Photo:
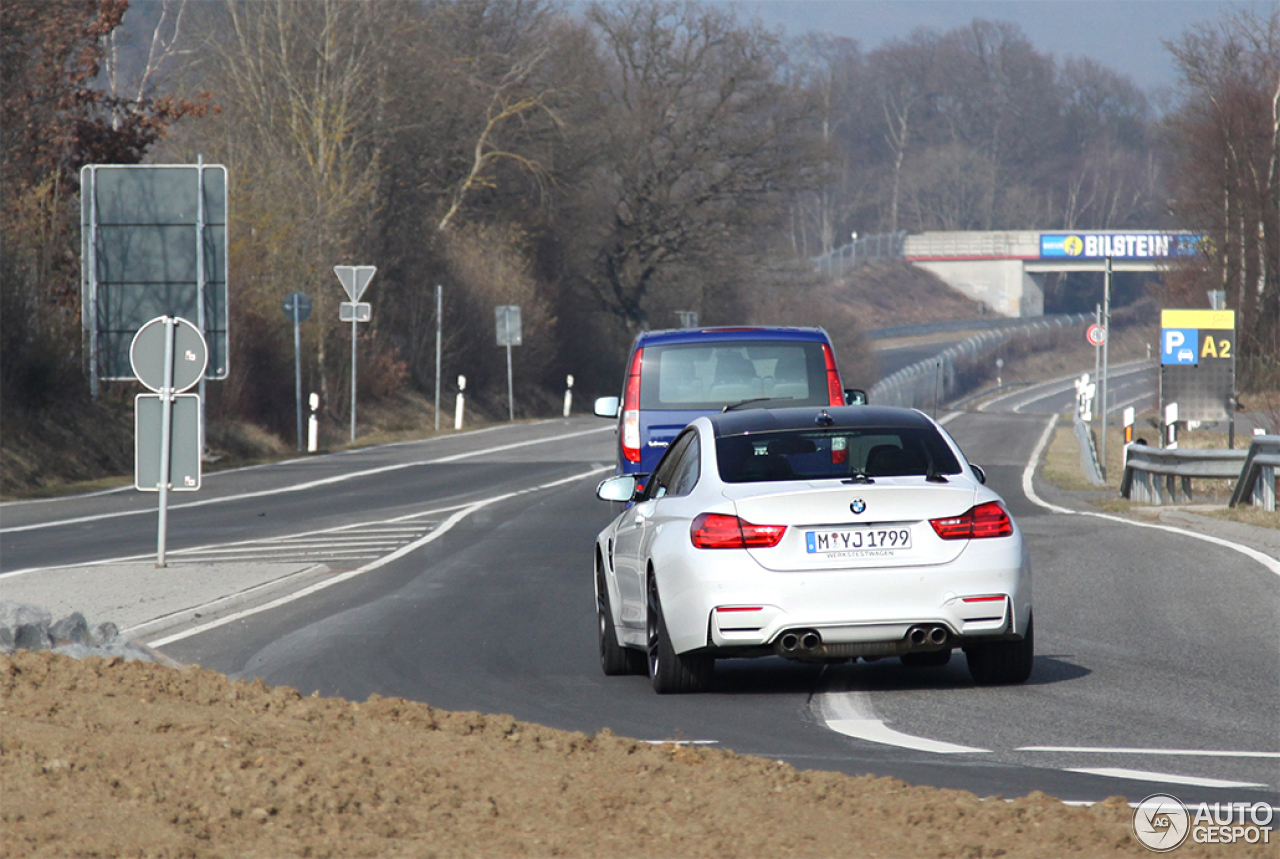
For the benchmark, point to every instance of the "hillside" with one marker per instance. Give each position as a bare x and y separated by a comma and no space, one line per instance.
70,442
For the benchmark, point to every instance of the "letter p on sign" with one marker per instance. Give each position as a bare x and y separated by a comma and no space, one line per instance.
1179,345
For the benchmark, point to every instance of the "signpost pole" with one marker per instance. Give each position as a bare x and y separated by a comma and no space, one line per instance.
353,377
1106,326
201,321
1097,347
511,399
297,366
93,280
166,440
439,331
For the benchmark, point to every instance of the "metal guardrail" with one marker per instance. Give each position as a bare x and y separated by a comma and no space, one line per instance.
1147,468
982,323
1088,450
859,252
1257,483
934,380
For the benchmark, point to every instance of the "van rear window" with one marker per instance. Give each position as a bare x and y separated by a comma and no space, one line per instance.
712,376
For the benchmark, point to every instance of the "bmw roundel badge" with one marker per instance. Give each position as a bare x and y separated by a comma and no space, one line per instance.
858,506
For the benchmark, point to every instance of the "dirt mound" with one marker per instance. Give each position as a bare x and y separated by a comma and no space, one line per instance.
107,757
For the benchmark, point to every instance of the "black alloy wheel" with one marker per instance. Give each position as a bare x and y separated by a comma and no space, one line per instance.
669,671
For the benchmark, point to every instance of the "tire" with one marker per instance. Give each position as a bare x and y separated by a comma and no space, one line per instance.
927,659
672,672
615,660
996,663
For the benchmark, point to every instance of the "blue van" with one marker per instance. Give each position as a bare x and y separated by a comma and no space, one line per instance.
674,376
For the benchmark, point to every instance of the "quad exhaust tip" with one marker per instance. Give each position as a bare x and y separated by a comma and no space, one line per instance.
799,641
922,635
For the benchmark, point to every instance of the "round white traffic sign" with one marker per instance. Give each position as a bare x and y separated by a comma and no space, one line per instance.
1096,335
190,354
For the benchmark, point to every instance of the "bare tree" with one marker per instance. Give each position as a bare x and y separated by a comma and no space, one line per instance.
1227,133
699,139
905,82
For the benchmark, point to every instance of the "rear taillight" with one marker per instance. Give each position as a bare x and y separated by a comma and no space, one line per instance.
631,410
835,391
985,520
718,531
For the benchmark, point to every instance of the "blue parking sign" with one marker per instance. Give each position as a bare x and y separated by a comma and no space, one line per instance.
1179,346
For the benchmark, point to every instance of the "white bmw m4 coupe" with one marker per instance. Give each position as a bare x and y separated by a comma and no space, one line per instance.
815,534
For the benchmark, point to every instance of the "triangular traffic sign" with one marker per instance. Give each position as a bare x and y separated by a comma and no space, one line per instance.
355,278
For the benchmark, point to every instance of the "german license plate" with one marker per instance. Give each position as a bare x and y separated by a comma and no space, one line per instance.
863,542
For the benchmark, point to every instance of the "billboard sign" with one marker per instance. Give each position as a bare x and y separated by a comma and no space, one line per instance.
153,243
1117,245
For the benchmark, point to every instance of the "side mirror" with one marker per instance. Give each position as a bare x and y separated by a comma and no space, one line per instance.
855,397
979,473
622,488
607,407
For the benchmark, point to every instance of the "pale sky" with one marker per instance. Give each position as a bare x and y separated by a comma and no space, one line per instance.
1122,34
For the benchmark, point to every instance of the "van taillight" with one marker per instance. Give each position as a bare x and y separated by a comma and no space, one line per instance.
631,411
835,391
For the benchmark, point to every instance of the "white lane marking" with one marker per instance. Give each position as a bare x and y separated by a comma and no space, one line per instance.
850,713
440,531
302,487
263,465
241,543
876,731
1142,775
681,742
1042,390
1102,750
1028,474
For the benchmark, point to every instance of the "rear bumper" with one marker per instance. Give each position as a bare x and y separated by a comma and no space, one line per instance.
733,604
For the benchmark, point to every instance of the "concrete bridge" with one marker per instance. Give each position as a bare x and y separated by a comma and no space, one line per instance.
1005,270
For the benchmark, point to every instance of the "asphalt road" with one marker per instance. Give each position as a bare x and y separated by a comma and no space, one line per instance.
1157,655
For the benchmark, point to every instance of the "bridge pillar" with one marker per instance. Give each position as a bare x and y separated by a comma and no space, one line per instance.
1004,285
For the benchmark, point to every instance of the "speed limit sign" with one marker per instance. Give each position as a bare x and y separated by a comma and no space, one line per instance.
1096,335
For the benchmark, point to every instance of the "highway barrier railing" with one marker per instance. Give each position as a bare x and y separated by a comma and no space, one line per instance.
1257,483
1152,473
1088,450
934,381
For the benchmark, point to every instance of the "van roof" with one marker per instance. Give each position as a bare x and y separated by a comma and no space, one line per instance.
750,421
730,333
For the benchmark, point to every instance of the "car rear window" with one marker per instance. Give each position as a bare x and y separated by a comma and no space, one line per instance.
830,453
712,376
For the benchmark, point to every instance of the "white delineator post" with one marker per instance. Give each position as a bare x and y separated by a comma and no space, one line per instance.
313,425
568,394
458,402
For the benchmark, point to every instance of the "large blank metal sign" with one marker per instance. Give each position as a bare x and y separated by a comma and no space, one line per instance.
1198,362
153,243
